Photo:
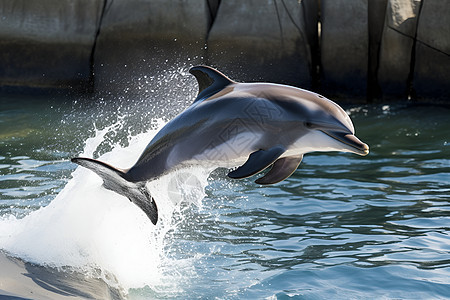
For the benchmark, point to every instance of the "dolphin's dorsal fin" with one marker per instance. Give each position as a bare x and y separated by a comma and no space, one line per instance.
210,81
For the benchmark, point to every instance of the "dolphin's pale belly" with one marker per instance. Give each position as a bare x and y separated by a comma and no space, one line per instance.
228,153
226,150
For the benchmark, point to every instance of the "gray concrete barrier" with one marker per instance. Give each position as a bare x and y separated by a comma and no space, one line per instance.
360,50
47,43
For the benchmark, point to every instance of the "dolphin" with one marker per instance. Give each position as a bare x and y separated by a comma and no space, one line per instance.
251,126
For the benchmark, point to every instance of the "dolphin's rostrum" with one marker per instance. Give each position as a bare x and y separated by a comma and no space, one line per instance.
250,125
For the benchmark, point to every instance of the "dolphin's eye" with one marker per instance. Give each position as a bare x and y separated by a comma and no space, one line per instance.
308,125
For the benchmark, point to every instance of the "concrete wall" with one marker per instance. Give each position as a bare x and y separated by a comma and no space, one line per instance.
359,50
47,43
140,37
431,75
344,47
268,40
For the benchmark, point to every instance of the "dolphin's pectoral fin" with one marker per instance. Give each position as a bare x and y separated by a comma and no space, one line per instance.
257,161
281,169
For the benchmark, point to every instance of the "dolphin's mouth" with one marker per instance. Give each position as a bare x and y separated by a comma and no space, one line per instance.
349,139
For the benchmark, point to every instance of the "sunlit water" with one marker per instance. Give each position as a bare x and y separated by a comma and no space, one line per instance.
343,226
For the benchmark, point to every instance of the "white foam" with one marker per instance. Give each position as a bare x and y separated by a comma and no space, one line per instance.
89,227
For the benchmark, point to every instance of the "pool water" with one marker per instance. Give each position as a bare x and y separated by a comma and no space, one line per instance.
343,226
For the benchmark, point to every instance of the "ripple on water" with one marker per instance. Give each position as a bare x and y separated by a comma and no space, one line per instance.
342,226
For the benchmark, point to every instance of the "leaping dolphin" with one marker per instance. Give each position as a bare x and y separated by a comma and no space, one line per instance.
250,125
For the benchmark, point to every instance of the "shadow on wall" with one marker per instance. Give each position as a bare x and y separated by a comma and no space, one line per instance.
357,50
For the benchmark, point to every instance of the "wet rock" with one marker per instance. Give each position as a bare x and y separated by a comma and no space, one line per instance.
47,43
140,37
432,54
344,48
269,40
396,47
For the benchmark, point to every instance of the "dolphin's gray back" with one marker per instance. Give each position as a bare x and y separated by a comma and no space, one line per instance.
207,125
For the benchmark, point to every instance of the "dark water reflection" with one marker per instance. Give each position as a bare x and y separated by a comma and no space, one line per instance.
342,226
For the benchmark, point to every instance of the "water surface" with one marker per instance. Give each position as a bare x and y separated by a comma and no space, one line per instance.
343,226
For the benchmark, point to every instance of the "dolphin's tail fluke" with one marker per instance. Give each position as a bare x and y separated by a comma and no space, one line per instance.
116,180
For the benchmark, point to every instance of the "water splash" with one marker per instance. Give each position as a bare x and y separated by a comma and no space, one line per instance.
89,228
